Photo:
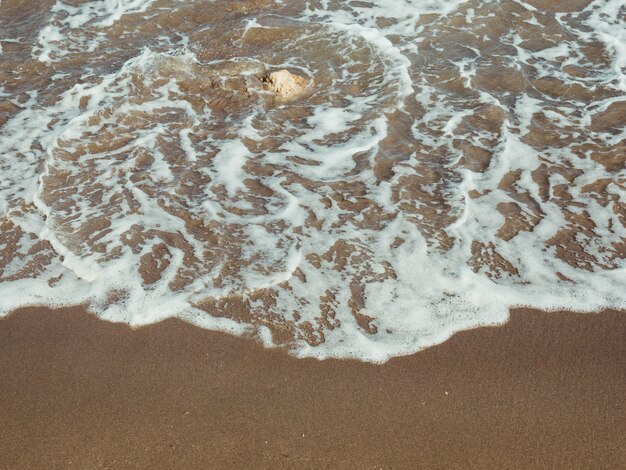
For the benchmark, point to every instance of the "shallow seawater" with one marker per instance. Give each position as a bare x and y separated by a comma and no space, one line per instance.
452,159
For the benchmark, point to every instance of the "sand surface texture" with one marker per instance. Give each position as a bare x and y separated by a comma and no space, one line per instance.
544,391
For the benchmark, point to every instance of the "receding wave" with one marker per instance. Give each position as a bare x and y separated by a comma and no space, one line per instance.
445,161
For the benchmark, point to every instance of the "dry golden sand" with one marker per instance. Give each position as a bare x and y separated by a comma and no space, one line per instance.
544,391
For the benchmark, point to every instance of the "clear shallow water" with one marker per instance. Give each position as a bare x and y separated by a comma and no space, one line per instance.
453,159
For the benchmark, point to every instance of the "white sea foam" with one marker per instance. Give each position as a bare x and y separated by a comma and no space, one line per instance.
169,180
81,28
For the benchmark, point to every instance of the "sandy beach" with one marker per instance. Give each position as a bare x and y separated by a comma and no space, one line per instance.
544,391
353,180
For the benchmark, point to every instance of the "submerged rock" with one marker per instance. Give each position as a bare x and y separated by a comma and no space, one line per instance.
286,84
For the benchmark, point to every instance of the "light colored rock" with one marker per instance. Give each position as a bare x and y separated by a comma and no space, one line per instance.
286,84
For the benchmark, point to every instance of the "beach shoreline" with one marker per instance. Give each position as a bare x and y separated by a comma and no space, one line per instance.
543,391
357,179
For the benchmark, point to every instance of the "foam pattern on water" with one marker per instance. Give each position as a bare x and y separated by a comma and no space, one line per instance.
81,27
450,160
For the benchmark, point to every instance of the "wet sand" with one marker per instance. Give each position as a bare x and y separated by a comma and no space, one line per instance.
543,391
